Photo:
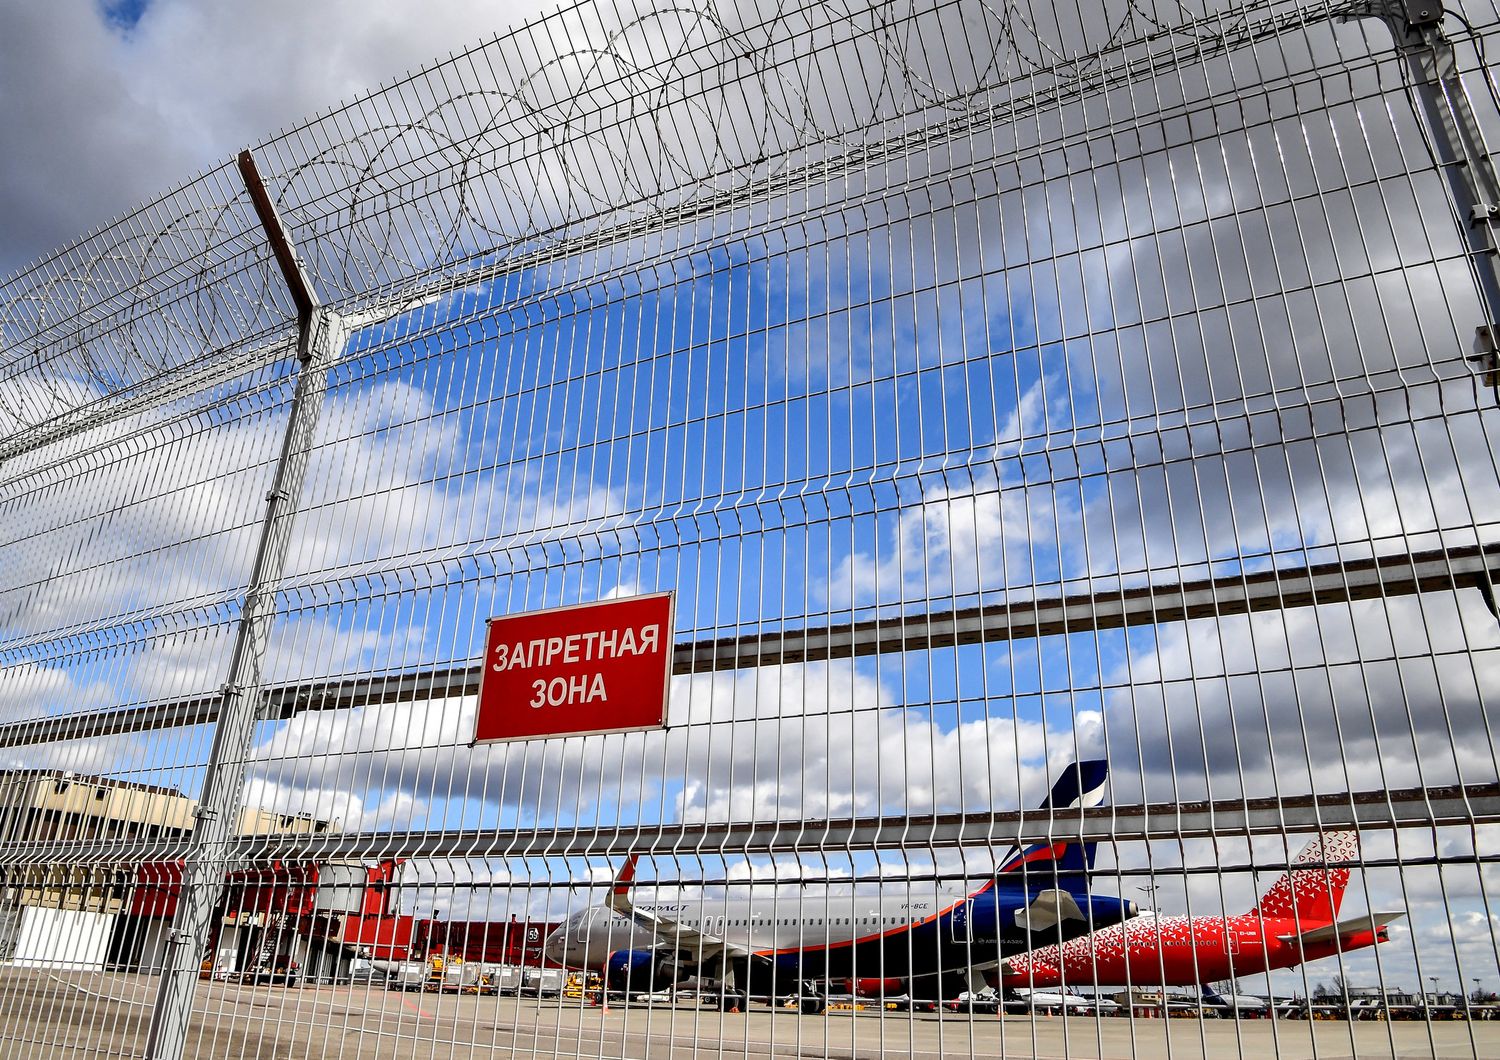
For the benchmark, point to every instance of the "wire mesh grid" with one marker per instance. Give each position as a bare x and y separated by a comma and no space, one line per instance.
996,389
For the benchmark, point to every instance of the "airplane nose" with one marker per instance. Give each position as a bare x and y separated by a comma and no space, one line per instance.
554,947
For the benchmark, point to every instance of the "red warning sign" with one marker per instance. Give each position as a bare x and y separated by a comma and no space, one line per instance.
601,667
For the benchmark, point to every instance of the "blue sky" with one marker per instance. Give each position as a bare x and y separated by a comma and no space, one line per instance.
122,15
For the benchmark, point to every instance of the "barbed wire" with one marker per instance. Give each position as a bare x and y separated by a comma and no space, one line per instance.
615,127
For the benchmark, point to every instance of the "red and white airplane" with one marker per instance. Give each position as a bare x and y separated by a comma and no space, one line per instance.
1295,921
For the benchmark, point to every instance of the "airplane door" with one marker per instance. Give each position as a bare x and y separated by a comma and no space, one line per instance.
961,923
1232,942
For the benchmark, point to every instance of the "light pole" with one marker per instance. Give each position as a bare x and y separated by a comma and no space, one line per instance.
1149,889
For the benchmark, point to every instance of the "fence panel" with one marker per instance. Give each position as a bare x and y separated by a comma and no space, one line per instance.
1092,405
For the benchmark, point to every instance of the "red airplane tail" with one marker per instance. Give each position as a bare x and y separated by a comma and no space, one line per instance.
1312,896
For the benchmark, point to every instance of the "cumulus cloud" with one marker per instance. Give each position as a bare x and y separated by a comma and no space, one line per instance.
778,743
961,536
1327,699
170,528
790,743
99,116
28,683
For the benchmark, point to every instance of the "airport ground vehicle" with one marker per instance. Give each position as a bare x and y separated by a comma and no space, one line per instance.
440,974
507,978
363,970
543,982
407,975
281,974
977,1001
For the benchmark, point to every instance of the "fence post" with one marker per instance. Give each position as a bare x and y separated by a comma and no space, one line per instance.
1459,146
321,335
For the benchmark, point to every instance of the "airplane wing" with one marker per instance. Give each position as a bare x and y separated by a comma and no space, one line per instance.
1048,909
1344,929
668,932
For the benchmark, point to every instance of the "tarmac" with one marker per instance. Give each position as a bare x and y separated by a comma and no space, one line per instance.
100,1014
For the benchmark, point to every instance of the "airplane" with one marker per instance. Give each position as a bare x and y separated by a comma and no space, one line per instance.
1296,920
775,946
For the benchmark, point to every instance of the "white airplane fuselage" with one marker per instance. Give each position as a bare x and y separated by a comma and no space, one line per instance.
586,939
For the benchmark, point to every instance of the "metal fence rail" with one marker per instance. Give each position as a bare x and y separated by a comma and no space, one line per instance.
1405,808
1327,583
996,387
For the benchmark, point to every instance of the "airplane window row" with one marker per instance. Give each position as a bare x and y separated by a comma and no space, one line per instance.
813,922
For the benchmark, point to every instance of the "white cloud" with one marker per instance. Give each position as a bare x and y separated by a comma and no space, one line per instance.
1283,703
957,540
29,683
793,742
172,527
96,121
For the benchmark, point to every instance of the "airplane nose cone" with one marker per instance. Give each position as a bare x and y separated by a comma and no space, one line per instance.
554,948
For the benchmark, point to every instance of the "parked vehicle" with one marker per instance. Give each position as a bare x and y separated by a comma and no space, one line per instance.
655,997
407,975
363,970
507,979
981,1001
544,982
282,974
454,975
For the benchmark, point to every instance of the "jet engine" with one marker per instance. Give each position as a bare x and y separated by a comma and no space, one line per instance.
1042,917
871,987
633,971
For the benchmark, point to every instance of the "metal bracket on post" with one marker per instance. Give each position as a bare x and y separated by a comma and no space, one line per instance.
1486,356
298,283
1485,216
320,335
1420,14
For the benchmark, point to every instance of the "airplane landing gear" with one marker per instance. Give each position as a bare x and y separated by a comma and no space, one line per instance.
734,995
952,986
810,999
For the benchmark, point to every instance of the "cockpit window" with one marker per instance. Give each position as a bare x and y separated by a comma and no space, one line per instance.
577,921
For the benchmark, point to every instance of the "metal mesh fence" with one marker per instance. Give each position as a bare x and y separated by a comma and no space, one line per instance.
997,388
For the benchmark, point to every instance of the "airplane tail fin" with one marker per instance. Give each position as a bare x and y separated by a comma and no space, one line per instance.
1312,896
1081,785
619,888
